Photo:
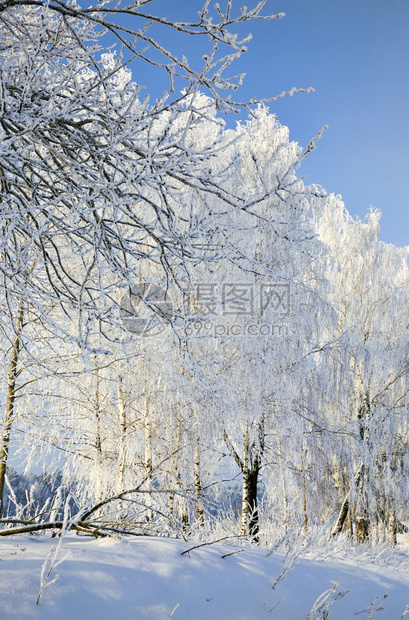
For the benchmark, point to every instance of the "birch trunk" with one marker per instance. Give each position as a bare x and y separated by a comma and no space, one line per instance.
253,528
98,440
392,526
361,508
176,477
337,529
198,483
122,423
249,507
283,487
148,455
304,494
345,510
10,404
148,442
245,485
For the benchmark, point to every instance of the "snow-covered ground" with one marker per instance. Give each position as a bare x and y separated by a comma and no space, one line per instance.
109,579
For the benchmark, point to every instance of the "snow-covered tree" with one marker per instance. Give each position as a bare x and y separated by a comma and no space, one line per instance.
365,373
93,177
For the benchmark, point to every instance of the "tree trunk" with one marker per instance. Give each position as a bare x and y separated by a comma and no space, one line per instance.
171,498
304,494
337,529
362,527
250,469
362,513
253,527
392,526
245,485
148,441
10,402
122,423
284,490
249,506
198,483
98,440
148,455
361,518
358,513
176,477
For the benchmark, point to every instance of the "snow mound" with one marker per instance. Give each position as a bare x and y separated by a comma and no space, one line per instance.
149,578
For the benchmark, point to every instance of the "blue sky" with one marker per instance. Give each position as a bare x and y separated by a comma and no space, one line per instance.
355,53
